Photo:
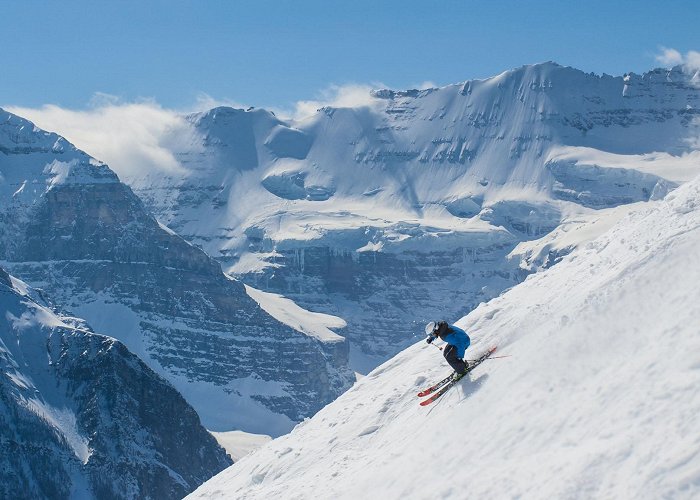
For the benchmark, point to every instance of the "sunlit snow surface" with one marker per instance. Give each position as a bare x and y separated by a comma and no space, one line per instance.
238,443
316,325
599,398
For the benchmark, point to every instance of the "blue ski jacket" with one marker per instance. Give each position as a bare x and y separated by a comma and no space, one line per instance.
458,338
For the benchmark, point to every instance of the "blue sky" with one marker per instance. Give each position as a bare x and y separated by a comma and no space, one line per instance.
274,53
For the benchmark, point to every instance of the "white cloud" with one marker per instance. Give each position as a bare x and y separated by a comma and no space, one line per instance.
691,64
692,60
140,137
669,57
672,57
337,96
132,138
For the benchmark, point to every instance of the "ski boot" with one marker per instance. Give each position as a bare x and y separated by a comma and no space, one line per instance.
457,375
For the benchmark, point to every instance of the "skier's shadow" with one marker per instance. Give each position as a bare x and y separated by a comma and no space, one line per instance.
467,387
473,385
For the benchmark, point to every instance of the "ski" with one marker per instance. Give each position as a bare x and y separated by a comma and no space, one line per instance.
435,387
445,386
447,379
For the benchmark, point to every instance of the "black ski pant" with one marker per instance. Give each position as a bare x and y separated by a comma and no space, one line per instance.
450,353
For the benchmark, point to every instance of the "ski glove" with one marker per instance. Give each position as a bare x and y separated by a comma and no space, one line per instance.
430,338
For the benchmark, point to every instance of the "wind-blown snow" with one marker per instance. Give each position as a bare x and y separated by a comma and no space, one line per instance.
248,174
599,398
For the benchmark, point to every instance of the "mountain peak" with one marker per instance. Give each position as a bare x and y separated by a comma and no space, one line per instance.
37,157
18,134
392,94
227,114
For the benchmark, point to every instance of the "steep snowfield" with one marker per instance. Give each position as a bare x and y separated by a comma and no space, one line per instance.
599,398
238,443
316,325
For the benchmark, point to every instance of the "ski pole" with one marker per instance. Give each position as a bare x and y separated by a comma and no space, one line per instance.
490,357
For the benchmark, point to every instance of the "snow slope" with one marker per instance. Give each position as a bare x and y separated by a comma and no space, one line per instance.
599,398
238,443
316,325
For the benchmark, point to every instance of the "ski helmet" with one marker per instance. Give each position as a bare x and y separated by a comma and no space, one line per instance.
430,328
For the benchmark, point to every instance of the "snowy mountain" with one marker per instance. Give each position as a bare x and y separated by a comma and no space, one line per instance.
598,398
70,227
82,417
407,210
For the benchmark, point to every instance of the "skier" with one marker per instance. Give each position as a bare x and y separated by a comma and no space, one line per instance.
457,342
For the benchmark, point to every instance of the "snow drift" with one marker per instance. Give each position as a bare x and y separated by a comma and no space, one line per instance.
599,398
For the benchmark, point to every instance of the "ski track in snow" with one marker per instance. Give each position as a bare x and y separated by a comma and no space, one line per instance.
599,398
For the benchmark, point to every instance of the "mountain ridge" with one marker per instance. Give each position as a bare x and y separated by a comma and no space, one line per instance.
84,417
344,211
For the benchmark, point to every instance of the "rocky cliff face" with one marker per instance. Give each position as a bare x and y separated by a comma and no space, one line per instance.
72,228
81,416
378,214
383,295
